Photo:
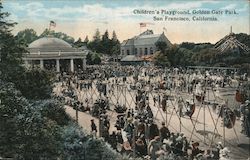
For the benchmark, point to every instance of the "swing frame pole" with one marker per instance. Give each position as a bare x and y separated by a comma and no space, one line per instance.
223,121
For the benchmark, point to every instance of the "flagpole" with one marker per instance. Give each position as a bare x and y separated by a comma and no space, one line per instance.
51,24
49,30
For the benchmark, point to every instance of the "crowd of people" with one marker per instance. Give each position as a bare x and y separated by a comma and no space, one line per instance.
136,130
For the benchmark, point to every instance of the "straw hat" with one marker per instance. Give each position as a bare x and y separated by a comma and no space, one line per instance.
130,119
127,146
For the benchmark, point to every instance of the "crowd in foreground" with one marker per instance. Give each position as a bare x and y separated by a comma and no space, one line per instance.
137,133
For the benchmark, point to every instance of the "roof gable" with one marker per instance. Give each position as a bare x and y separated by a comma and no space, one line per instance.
146,38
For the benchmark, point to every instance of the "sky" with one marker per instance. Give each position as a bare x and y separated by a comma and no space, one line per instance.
81,18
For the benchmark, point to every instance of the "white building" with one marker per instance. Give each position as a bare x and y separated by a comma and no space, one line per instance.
55,54
143,44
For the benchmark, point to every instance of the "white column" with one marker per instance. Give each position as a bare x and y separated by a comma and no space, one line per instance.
57,65
41,64
72,65
26,63
84,63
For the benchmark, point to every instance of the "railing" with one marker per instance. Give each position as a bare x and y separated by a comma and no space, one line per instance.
54,54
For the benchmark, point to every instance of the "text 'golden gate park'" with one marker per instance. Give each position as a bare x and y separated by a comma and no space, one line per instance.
184,12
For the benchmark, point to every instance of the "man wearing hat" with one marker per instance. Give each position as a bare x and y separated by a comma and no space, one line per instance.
153,129
129,128
164,132
153,147
93,128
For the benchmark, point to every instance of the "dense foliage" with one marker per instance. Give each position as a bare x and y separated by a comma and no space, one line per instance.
93,58
27,36
202,54
59,35
104,44
33,125
35,83
42,130
25,131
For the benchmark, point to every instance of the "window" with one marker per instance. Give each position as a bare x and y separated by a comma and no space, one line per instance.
146,51
122,52
151,50
135,51
140,51
127,51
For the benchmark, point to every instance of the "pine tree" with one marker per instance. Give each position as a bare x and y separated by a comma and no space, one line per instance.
95,44
97,35
5,25
105,37
114,37
86,40
106,43
10,50
79,40
115,45
79,43
11,62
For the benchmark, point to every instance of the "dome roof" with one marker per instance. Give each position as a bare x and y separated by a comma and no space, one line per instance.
50,43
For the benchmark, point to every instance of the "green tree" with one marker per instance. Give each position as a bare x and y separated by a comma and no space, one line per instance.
45,33
243,38
170,53
26,132
115,45
96,59
73,140
31,129
114,37
97,36
93,58
103,44
86,40
98,149
35,83
162,60
106,43
95,44
79,43
187,45
161,46
10,50
27,36
59,35
12,107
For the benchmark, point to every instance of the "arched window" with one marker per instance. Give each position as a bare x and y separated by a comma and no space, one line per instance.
140,51
135,51
128,52
146,51
151,50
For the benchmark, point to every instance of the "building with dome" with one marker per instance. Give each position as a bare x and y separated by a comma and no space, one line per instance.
55,54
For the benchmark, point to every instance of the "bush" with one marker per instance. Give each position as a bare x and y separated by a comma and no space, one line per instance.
42,130
93,58
53,110
72,141
25,132
35,84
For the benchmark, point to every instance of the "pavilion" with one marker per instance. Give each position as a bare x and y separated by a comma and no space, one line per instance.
55,54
